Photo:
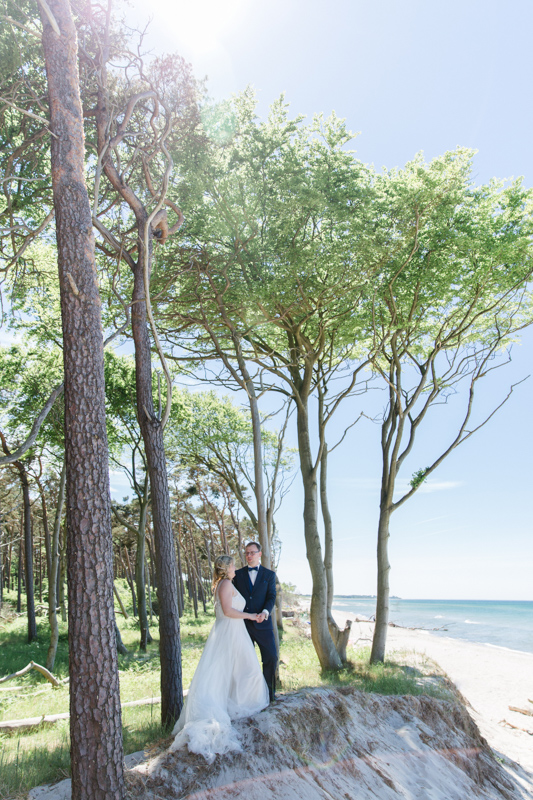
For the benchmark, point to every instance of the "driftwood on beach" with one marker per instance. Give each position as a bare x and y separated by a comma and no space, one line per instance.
525,711
415,628
516,727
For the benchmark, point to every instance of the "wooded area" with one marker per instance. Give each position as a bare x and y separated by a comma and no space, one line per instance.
257,256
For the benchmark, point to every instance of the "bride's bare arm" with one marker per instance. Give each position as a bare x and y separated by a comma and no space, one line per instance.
225,595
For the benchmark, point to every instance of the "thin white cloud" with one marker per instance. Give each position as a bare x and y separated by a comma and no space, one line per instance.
439,486
402,485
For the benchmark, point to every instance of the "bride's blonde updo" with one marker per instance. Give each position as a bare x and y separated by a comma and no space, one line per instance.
222,564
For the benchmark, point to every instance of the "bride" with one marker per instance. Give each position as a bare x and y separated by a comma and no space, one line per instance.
228,682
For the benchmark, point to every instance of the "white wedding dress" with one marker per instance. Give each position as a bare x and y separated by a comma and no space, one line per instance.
228,684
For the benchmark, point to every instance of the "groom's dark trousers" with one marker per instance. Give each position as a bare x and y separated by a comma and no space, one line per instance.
261,596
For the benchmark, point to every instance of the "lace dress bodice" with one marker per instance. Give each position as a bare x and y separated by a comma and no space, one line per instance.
238,602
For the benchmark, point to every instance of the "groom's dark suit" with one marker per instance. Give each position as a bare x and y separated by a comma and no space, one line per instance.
261,596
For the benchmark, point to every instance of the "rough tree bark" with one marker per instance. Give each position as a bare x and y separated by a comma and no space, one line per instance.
140,576
165,554
95,715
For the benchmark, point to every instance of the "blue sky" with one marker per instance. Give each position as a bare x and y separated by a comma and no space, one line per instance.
409,76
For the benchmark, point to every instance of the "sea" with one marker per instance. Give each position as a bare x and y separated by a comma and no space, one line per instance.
505,624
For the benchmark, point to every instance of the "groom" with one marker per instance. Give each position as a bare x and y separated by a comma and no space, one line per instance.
258,587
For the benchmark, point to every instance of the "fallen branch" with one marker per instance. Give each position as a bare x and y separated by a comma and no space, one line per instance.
525,711
33,722
32,665
361,639
515,727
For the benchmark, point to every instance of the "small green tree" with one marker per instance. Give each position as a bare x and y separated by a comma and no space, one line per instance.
445,308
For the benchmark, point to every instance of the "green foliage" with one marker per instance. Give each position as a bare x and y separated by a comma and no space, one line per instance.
24,141
418,478
275,214
210,429
27,377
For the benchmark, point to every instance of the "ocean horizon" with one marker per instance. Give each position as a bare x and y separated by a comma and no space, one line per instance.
505,624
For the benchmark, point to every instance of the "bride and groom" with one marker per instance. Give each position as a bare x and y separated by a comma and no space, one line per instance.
228,682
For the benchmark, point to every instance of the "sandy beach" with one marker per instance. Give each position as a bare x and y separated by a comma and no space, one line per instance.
489,678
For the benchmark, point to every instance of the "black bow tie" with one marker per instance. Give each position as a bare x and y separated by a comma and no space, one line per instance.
252,569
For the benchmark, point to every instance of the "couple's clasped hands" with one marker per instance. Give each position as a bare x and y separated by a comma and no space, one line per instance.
257,617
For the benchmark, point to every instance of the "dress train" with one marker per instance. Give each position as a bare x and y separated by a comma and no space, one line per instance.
228,684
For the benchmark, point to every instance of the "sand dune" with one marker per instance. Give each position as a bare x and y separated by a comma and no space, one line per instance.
490,679
338,744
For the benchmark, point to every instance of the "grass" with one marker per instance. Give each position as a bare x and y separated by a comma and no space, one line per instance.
299,669
41,755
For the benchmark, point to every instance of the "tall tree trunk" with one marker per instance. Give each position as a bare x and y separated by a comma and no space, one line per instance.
10,576
130,580
379,640
61,579
340,637
28,549
151,568
181,588
201,592
165,554
149,591
140,577
52,577
259,488
40,569
97,756
19,569
193,594
322,641
391,437
46,530
121,647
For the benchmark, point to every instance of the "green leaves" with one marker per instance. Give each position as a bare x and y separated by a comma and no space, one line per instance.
418,478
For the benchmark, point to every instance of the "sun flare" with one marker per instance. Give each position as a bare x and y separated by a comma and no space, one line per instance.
200,24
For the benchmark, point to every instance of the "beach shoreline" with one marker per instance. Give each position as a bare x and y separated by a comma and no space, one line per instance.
489,678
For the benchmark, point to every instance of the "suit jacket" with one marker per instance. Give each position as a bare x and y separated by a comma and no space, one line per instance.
259,596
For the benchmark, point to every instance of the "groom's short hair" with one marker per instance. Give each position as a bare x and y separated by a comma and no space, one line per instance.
254,544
